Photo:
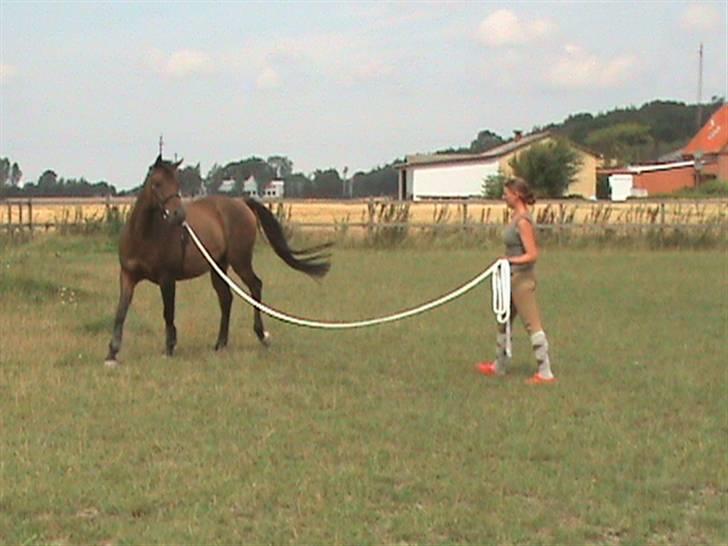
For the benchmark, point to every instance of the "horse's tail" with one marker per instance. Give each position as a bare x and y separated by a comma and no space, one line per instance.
310,260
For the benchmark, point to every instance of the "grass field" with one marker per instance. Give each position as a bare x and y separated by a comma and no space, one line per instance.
382,435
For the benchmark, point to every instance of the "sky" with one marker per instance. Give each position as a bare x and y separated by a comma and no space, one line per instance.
86,88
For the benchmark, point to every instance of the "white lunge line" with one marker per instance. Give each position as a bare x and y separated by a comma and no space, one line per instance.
501,284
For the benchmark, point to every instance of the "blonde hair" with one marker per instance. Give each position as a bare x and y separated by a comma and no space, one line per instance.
521,188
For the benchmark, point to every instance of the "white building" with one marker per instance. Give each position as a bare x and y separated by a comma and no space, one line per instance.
434,176
250,187
227,186
273,189
461,177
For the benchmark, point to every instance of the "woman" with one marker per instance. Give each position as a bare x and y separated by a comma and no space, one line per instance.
522,253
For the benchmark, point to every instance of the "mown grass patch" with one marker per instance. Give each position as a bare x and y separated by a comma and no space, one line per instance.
382,435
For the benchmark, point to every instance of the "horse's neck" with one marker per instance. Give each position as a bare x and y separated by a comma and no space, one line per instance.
144,220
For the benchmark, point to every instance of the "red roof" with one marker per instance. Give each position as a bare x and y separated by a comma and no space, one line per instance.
713,137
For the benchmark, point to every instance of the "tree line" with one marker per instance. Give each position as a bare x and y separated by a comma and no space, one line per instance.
623,136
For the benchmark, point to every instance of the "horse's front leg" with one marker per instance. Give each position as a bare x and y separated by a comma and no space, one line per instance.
225,299
168,288
126,292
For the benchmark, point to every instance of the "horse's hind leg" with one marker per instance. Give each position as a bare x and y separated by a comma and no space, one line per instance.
225,298
169,289
246,273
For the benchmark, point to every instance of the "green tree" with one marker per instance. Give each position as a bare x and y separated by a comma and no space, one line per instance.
548,167
485,141
4,171
281,166
214,178
623,143
48,182
326,183
379,182
296,185
16,175
190,180
493,186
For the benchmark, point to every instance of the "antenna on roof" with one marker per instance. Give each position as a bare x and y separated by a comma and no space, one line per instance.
161,143
700,87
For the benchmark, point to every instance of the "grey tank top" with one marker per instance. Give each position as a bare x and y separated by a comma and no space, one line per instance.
514,244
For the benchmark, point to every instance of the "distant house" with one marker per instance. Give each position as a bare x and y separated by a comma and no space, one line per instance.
226,186
273,189
250,187
462,175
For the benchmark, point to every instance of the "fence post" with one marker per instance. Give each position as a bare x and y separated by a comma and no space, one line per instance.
30,215
20,216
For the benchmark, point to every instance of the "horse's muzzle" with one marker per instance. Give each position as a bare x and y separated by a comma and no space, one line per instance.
176,216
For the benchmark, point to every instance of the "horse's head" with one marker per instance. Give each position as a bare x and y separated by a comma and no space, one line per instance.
162,187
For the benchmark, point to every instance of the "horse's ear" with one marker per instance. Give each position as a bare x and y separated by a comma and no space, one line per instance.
159,161
178,163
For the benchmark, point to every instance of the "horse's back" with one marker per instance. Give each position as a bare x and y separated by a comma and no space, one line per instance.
229,221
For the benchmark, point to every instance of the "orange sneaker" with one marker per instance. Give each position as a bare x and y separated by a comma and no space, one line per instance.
487,368
537,379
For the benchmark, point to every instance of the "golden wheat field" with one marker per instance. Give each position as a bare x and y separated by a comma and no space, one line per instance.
50,213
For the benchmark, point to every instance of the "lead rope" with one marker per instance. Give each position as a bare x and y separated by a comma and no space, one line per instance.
501,284
501,288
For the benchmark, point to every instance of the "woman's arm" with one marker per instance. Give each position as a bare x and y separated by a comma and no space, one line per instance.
528,236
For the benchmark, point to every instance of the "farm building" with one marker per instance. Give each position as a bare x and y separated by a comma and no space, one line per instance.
704,158
709,147
273,189
250,187
646,180
462,175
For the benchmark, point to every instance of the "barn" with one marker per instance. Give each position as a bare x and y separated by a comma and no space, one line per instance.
652,179
436,176
709,147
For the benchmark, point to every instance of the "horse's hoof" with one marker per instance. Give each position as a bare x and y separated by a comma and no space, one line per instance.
265,340
111,363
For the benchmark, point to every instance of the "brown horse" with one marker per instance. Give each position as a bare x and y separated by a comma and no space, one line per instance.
155,246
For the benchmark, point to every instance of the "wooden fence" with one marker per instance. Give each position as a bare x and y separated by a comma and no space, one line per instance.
47,214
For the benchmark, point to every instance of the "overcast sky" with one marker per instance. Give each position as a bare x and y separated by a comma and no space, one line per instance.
86,88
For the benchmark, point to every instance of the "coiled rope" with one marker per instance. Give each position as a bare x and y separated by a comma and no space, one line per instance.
501,286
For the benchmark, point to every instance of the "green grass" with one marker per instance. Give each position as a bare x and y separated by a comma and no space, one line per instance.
374,436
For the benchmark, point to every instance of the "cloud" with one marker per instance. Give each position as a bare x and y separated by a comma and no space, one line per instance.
577,68
701,18
268,79
342,58
504,28
372,69
180,64
7,72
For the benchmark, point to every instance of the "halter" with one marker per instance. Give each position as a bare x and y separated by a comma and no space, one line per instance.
163,202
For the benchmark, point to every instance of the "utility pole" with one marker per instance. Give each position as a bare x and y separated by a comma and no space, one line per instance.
699,121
